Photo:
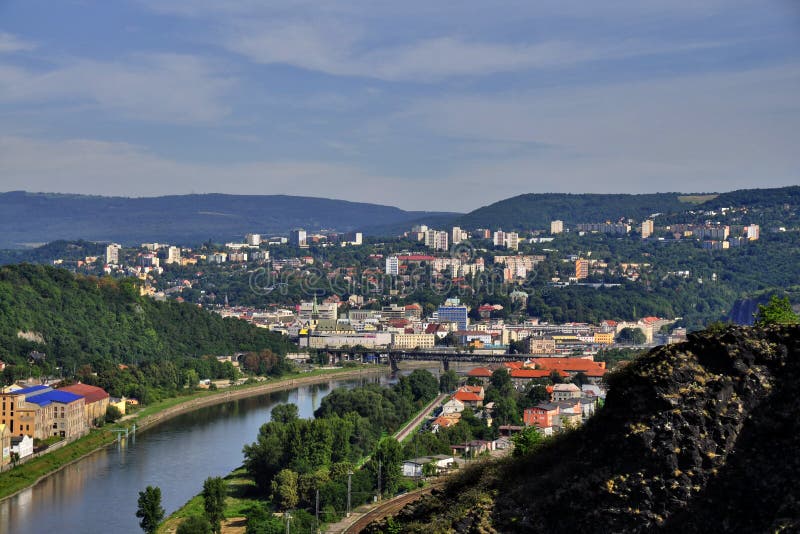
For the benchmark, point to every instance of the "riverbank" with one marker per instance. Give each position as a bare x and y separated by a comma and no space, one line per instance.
32,472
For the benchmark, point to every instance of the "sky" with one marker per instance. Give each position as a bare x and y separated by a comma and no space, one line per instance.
444,106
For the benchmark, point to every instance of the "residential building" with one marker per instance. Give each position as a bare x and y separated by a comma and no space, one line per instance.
452,406
112,253
556,227
253,240
509,240
392,266
543,345
5,445
413,341
562,392
96,400
42,412
581,268
647,228
415,466
297,238
353,238
603,338
22,445
218,257
173,255
437,240
313,311
458,235
752,232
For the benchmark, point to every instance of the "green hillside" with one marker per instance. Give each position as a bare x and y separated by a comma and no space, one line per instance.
536,210
88,325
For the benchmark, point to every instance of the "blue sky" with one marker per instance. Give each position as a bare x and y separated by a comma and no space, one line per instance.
422,105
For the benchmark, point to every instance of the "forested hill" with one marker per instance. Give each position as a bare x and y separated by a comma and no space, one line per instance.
32,218
696,437
536,210
533,211
102,322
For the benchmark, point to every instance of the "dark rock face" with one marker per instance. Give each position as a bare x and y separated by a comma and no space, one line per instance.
699,436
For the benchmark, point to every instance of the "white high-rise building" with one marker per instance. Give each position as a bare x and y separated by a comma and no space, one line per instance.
253,240
437,240
752,232
297,238
556,227
647,228
509,240
392,266
173,255
112,253
458,235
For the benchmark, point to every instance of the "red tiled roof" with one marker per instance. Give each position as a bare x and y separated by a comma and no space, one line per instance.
416,257
90,393
480,372
513,365
533,373
575,365
464,396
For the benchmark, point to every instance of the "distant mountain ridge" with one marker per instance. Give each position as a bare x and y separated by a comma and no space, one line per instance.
35,218
27,218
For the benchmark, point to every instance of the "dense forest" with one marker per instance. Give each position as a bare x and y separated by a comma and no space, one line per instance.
86,326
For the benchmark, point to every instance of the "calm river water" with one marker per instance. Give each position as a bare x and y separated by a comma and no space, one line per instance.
99,493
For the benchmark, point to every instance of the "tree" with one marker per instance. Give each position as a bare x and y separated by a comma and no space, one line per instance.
284,489
390,456
526,441
214,502
284,413
777,311
580,379
112,414
194,524
501,379
150,511
632,336
448,381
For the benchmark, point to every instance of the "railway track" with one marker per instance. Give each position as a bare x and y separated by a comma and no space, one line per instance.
387,508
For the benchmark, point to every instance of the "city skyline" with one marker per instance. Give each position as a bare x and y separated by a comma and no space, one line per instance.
417,106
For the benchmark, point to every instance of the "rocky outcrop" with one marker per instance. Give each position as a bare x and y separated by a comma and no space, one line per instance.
698,436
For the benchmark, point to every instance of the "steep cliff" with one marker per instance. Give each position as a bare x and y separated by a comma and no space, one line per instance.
698,436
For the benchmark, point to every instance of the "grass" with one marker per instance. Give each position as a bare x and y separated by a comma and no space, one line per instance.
696,199
26,475
241,497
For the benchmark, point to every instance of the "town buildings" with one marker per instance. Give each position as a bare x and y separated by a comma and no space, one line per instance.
556,227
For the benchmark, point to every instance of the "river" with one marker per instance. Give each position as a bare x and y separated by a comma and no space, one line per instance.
98,494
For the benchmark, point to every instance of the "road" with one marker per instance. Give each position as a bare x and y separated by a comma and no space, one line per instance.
403,433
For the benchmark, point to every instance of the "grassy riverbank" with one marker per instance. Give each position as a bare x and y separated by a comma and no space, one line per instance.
241,496
29,473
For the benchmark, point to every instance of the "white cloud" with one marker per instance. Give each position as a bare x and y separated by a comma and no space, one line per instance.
694,133
157,87
10,43
106,168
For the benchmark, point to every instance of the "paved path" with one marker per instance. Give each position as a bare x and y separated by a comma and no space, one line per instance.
403,433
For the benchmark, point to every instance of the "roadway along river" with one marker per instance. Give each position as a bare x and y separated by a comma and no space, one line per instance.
99,493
